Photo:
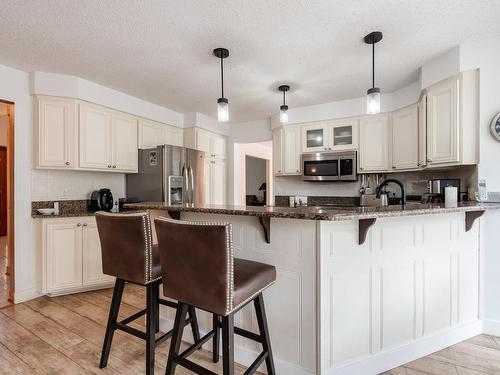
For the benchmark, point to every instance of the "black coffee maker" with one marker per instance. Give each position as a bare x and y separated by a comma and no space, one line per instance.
101,200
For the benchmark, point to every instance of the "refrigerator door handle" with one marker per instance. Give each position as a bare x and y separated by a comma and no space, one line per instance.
191,182
185,179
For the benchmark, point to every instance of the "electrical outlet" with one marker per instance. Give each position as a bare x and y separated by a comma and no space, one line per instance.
300,200
65,193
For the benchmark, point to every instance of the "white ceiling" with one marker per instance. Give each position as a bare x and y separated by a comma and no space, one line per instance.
161,50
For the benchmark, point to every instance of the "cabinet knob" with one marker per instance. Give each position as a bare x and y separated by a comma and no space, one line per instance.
67,163
109,166
361,169
114,166
393,167
85,224
298,171
429,160
78,225
329,148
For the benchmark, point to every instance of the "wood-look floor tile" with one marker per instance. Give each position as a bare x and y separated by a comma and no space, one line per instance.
395,371
484,340
14,336
410,371
466,371
59,314
11,364
472,357
45,359
432,366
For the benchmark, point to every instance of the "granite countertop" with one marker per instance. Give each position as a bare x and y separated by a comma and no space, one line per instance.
315,213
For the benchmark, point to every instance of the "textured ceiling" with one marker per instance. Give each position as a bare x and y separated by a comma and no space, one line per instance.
161,50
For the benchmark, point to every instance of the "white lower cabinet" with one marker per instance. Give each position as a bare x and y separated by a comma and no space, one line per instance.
71,256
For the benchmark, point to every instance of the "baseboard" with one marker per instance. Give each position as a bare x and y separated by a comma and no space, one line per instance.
242,355
491,327
26,295
81,289
386,360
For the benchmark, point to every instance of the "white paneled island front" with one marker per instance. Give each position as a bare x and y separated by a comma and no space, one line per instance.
341,307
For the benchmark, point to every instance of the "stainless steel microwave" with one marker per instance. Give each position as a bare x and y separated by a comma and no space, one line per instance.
331,166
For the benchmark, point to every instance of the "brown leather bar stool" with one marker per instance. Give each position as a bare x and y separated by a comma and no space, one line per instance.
129,255
199,270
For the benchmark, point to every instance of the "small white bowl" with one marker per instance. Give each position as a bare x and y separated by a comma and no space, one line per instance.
46,211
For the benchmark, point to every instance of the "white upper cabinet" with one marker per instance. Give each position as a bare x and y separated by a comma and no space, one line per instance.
374,135
422,131
214,145
405,138
95,137
337,135
291,150
124,142
277,152
443,122
56,130
108,139
152,134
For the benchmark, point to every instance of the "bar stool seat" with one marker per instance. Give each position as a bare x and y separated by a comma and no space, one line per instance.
250,278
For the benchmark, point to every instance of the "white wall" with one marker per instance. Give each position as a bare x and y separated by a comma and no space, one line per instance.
74,87
196,119
15,87
485,55
443,66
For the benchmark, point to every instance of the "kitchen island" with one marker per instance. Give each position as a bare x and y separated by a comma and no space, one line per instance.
346,303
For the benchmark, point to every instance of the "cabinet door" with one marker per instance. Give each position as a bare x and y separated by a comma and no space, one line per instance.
124,143
63,256
150,134
422,131
277,151
91,256
208,181
218,147
218,179
442,123
203,142
314,138
343,135
291,150
405,138
374,143
57,131
95,137
172,136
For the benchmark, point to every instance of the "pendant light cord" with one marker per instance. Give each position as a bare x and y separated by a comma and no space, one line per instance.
284,97
373,65
222,75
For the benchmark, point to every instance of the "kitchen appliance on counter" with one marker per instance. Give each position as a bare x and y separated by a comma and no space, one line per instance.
436,189
331,166
170,174
101,200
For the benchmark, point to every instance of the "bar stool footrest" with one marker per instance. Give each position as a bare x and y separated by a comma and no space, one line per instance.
247,334
197,345
255,365
193,366
133,317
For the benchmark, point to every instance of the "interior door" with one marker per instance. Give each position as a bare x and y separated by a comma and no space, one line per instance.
3,191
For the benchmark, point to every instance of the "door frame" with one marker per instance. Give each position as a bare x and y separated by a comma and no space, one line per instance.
10,197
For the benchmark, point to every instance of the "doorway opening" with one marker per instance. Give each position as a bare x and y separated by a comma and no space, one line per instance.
256,181
6,203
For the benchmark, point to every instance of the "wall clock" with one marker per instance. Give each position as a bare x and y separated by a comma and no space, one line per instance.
495,127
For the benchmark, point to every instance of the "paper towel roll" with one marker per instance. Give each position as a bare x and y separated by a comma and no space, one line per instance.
450,196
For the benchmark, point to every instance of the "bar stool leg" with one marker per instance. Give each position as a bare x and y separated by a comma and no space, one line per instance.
175,344
151,315
216,339
157,307
264,332
111,326
194,324
228,345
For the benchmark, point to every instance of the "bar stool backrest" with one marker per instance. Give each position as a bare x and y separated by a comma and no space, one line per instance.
126,246
197,263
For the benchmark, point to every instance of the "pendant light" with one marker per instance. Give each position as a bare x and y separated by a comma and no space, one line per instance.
284,107
222,103
373,94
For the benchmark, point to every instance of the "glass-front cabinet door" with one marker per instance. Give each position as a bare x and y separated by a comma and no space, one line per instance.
343,135
314,138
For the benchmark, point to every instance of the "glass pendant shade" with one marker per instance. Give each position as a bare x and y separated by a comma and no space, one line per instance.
373,101
222,110
284,114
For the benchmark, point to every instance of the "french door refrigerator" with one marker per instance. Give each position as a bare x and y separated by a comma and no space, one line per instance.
170,174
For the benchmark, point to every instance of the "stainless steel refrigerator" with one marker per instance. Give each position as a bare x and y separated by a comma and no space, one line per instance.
171,174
